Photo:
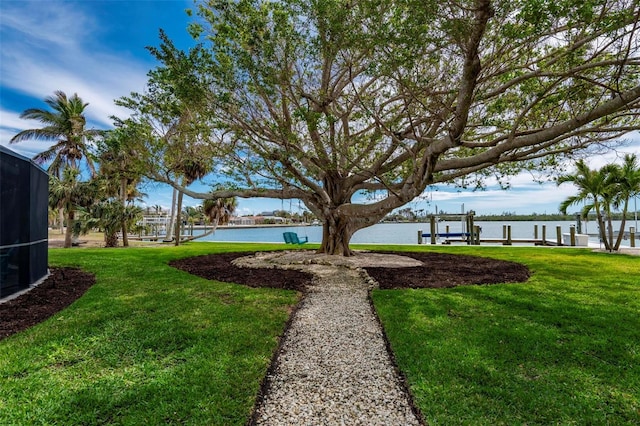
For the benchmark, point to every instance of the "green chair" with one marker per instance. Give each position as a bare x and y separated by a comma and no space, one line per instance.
292,238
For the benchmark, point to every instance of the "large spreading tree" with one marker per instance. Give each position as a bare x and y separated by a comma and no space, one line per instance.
328,100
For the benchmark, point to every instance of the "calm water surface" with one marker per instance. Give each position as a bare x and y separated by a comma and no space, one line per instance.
406,233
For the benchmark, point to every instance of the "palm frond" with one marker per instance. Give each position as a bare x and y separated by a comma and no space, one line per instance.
45,133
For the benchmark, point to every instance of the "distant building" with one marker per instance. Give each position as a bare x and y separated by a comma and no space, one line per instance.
268,220
244,220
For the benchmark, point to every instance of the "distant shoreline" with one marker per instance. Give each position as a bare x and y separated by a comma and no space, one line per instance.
481,218
520,218
265,225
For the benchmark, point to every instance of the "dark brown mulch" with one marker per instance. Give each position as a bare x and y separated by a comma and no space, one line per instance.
449,270
59,290
65,285
218,267
440,270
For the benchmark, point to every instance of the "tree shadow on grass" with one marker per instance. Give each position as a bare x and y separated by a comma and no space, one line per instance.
65,285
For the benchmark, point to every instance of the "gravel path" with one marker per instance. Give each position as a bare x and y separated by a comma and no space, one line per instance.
333,367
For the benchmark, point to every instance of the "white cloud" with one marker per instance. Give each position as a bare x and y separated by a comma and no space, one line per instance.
11,120
45,52
524,196
46,23
10,125
98,80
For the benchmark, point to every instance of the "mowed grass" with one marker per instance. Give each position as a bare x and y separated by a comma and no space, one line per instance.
562,348
148,344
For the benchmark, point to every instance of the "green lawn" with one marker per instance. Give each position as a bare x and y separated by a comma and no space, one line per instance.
563,348
147,344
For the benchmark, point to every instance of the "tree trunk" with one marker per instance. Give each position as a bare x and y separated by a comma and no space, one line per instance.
171,224
67,235
342,218
110,239
125,231
603,231
336,237
622,225
610,230
61,219
123,199
178,219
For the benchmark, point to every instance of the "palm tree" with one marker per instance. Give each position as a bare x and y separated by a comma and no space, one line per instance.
626,179
191,169
110,215
106,215
121,169
220,210
69,193
594,190
65,125
610,187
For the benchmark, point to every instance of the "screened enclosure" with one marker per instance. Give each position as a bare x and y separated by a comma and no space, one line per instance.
24,195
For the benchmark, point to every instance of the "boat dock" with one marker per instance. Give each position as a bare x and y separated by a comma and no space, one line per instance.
471,235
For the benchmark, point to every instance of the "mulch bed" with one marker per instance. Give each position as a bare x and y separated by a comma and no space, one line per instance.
59,290
65,285
218,267
443,270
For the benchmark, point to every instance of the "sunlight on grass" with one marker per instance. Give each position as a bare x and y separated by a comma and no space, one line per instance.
563,348
148,344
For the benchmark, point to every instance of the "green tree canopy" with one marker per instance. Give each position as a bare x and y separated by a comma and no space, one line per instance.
325,100
69,193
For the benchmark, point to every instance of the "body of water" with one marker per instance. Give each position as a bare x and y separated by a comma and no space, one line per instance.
407,233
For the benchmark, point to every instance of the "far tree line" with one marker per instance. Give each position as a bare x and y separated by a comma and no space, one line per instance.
421,216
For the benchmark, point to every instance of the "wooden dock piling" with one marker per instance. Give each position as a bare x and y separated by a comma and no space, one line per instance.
508,240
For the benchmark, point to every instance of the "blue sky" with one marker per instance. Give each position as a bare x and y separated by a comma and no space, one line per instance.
96,48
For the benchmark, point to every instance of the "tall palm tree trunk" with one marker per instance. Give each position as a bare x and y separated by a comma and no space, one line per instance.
622,225
178,219
69,232
171,224
123,199
610,230
602,227
61,219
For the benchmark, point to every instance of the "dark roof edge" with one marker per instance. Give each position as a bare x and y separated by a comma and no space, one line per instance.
6,150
